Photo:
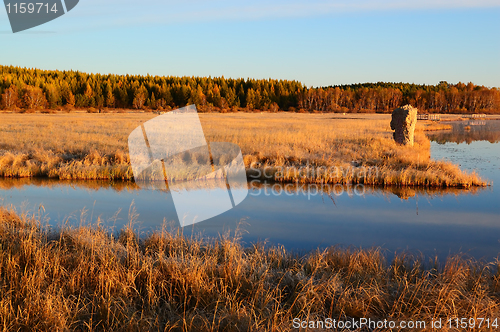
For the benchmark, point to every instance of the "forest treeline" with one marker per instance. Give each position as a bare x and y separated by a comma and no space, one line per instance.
23,89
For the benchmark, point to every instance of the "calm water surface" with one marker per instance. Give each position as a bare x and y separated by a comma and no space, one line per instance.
302,218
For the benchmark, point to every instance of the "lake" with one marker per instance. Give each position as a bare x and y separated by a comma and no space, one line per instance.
301,218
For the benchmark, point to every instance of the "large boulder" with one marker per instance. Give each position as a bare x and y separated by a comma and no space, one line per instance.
404,120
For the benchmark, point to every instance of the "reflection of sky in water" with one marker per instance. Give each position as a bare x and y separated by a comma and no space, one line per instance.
441,225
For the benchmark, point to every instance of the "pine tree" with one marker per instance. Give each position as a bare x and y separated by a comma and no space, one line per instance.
152,101
53,97
70,99
140,97
110,98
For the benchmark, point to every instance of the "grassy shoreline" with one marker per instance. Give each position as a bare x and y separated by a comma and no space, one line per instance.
93,146
96,281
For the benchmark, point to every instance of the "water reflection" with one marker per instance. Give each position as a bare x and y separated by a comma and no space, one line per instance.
257,187
299,216
468,132
334,190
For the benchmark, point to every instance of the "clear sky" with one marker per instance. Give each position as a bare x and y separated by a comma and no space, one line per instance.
317,42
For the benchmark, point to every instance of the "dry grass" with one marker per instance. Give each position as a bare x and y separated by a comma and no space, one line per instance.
64,146
93,146
88,280
340,149
428,125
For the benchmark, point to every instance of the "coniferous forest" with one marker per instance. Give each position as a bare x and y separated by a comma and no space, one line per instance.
23,89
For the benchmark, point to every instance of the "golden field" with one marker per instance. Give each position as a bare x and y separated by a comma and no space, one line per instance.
352,148
85,279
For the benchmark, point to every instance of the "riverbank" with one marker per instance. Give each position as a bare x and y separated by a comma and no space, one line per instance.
305,148
87,279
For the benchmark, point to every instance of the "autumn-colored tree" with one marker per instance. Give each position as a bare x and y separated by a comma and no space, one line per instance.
161,104
53,96
122,96
110,98
9,98
250,97
140,98
198,97
98,99
273,108
214,96
34,98
452,98
88,91
152,101
68,98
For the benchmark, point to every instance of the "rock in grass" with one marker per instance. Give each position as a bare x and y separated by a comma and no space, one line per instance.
404,120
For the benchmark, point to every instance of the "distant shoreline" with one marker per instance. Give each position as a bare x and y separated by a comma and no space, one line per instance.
349,115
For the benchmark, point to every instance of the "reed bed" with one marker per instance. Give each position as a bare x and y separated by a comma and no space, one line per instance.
87,279
94,146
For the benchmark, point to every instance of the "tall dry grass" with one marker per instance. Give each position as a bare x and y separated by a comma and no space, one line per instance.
93,146
88,280
348,146
67,146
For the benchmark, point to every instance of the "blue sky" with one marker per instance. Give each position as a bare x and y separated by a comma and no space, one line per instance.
317,42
